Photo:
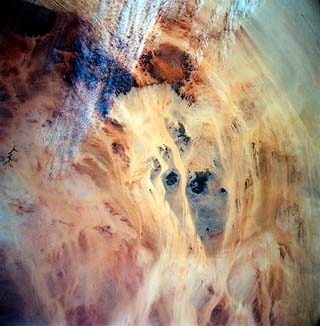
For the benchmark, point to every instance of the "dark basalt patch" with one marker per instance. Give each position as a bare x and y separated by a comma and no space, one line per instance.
178,133
172,179
182,134
223,191
145,61
92,67
74,48
118,81
198,183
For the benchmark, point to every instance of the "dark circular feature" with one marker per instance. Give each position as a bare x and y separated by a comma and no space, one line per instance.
199,183
172,178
